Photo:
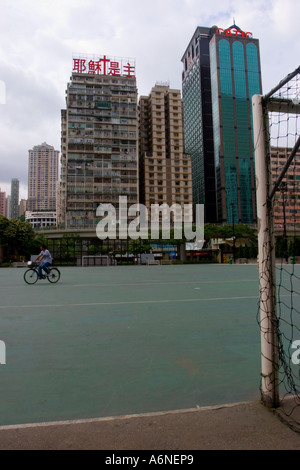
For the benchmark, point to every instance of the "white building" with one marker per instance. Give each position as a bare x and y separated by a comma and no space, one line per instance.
41,219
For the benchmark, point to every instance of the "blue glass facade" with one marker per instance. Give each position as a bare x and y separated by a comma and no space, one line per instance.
192,106
221,73
235,73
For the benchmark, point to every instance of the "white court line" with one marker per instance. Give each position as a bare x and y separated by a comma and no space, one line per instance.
139,283
145,283
135,283
133,302
121,417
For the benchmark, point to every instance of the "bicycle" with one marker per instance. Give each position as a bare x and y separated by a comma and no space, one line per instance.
31,276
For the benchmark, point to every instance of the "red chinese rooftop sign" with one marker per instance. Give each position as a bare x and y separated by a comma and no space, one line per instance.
105,66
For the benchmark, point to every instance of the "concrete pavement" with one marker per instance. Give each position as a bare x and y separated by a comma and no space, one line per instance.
242,426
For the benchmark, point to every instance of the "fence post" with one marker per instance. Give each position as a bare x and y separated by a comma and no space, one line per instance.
266,253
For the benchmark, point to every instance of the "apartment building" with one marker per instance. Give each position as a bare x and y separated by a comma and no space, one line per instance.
287,198
99,161
23,206
43,171
165,170
3,203
14,201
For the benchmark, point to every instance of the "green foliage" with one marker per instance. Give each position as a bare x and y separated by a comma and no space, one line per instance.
289,247
68,245
4,222
246,238
226,231
294,247
139,246
34,245
15,238
249,252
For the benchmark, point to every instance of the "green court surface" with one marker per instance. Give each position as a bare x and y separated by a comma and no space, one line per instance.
111,341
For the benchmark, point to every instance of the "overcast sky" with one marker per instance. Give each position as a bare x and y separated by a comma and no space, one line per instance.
38,39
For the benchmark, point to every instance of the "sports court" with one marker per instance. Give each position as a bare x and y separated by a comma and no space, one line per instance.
119,340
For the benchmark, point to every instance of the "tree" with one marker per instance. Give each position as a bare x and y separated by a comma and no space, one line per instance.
213,231
35,244
3,225
68,245
245,240
4,222
226,231
15,238
138,246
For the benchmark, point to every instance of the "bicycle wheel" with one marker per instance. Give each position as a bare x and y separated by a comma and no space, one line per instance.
54,275
31,276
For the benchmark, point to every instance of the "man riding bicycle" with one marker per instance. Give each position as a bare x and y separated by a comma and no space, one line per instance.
45,259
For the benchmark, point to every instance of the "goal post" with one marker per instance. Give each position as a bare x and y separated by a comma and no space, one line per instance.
276,135
266,257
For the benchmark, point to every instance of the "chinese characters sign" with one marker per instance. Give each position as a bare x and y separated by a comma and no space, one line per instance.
105,66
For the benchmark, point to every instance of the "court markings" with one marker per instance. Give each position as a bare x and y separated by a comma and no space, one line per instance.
165,283
134,283
133,302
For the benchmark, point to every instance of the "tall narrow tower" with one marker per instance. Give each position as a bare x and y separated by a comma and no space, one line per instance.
14,193
222,70
198,120
3,203
42,178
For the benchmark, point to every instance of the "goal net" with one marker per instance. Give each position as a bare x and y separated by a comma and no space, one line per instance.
276,123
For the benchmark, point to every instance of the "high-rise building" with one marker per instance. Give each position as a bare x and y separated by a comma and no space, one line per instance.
8,204
99,139
14,201
221,74
3,203
286,200
23,206
198,124
165,170
42,177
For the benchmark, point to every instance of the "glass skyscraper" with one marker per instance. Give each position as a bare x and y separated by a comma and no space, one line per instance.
234,77
198,122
